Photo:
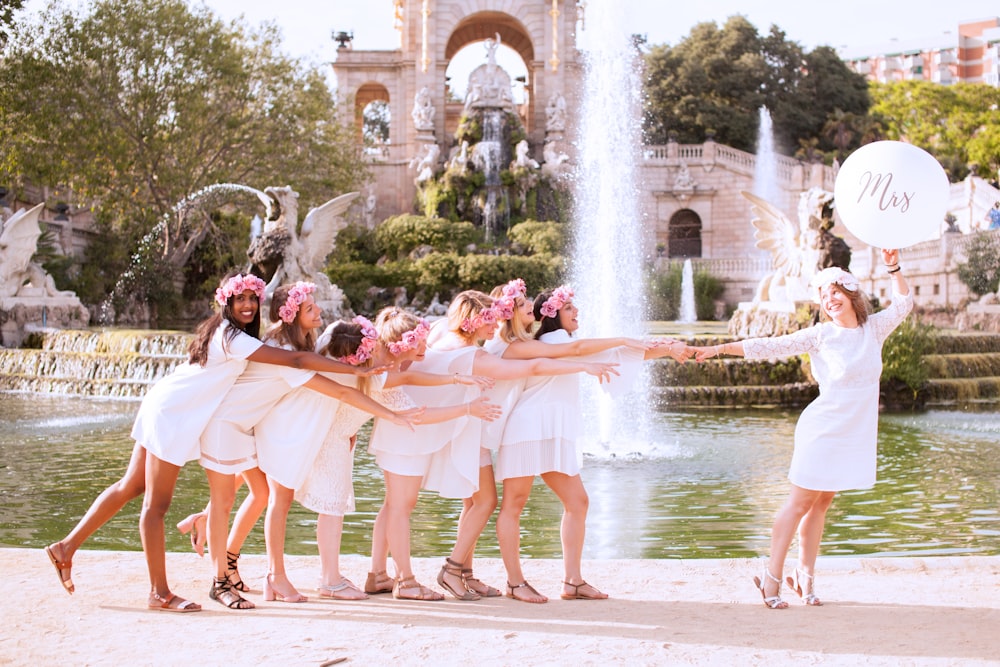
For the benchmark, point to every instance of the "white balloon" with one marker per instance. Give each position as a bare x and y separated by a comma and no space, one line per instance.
891,194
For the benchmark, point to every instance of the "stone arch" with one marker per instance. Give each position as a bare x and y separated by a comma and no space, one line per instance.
486,24
478,26
368,92
684,234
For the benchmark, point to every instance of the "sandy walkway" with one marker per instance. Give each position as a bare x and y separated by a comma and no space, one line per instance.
886,611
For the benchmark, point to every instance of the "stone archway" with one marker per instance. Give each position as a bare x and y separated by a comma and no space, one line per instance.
368,92
684,234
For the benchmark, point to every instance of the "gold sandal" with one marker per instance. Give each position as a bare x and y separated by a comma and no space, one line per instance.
454,569
410,584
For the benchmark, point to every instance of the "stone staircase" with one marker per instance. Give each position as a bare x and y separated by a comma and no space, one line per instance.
964,371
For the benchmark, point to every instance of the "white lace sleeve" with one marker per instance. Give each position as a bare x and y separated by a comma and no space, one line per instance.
799,342
885,321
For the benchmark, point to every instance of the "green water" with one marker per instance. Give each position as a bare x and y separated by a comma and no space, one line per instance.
712,493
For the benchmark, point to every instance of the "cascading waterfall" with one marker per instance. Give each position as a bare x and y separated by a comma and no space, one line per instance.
494,210
607,274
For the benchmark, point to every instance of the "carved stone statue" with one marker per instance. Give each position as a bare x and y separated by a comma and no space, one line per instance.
522,160
555,113
28,295
794,248
423,110
489,85
459,162
555,161
426,165
300,253
683,180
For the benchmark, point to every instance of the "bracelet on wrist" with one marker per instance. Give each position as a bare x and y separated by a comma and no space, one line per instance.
895,270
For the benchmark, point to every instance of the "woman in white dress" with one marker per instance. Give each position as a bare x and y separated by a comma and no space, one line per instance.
396,338
836,435
228,446
452,461
540,436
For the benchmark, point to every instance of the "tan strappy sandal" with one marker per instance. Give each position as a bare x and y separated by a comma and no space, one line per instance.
410,584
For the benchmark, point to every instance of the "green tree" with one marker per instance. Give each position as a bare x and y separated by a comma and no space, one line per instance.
717,78
958,124
981,270
134,104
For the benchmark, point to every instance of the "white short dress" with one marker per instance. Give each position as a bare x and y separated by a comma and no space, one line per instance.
445,455
328,487
176,410
836,435
542,429
504,393
227,443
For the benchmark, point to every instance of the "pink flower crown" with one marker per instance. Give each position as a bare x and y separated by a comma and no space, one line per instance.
237,285
483,317
554,303
505,304
296,297
410,340
367,344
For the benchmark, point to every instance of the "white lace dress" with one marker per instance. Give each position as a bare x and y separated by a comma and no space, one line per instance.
176,410
836,435
329,484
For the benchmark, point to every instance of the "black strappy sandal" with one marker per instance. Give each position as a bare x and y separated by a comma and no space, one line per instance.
233,574
223,593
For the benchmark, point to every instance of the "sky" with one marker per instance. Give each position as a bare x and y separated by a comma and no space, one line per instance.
846,25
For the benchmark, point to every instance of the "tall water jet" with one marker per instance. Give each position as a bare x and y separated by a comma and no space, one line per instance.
765,171
689,313
608,258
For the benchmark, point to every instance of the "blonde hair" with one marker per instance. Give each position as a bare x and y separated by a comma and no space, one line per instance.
283,332
465,306
393,322
513,329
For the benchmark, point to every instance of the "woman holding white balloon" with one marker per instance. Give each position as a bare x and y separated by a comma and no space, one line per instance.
835,437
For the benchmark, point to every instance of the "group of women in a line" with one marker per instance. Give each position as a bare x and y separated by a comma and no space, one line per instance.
486,395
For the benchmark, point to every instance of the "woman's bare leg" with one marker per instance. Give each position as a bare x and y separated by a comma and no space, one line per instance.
222,494
401,493
783,530
516,491
107,504
161,478
476,513
573,530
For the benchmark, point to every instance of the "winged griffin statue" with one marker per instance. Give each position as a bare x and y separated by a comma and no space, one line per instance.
18,242
286,253
798,250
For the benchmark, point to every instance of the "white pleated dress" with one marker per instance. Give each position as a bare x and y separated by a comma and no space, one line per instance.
444,455
227,443
328,487
543,427
504,393
177,409
836,435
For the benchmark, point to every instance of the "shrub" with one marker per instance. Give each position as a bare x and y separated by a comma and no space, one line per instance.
437,273
665,294
539,237
903,352
484,272
356,278
981,271
399,235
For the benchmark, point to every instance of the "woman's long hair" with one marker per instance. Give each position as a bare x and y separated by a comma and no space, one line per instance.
545,324
198,348
513,329
344,340
283,332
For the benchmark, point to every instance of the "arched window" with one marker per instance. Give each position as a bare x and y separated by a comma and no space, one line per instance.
684,238
371,113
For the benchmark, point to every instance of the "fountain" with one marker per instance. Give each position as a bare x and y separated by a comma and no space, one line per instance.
688,313
765,170
607,272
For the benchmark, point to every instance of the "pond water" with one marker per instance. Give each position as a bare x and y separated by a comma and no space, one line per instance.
712,493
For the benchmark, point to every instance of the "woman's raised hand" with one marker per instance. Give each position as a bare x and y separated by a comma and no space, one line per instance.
408,418
601,371
890,257
480,381
483,409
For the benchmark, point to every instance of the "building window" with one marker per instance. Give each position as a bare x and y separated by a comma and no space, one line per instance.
684,234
